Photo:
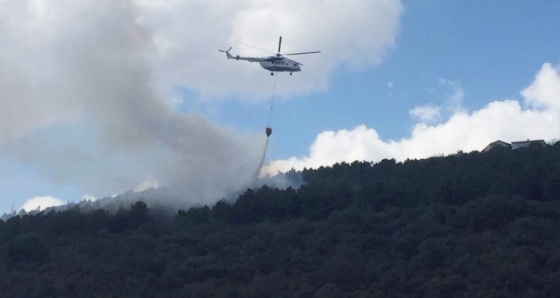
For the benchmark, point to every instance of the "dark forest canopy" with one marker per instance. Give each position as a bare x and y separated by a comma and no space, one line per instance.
466,225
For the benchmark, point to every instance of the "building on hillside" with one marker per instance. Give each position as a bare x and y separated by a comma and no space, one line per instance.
497,144
525,144
513,145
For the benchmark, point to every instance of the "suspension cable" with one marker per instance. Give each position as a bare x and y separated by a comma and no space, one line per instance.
272,102
268,129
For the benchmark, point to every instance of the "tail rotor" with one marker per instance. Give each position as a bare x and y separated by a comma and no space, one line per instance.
229,56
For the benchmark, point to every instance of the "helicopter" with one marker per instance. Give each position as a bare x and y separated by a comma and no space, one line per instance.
275,63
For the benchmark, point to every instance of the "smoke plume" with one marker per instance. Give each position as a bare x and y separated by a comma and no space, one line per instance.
79,104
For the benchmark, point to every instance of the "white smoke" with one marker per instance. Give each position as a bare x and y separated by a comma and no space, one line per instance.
87,88
80,105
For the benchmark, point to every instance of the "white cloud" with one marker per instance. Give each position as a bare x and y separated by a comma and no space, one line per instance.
451,103
41,203
188,34
360,143
454,95
544,93
426,113
503,119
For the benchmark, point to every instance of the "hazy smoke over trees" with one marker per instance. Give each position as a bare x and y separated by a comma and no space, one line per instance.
80,105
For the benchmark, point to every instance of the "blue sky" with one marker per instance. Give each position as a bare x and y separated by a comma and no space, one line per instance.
114,97
491,51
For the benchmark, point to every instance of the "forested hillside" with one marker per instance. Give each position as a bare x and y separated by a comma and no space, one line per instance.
466,225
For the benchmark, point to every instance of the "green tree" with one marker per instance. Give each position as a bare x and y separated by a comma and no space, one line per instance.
26,250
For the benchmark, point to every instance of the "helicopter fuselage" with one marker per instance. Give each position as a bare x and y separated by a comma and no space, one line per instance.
280,64
273,63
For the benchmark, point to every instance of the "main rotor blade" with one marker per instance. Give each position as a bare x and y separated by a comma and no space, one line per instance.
279,45
252,46
302,53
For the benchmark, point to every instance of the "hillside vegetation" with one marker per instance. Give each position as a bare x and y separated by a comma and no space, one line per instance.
466,225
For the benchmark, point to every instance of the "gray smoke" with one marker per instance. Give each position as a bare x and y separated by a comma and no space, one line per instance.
80,105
